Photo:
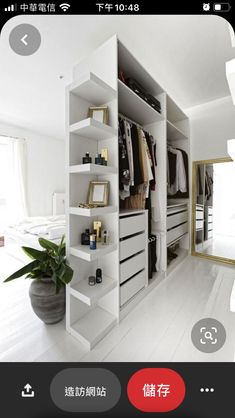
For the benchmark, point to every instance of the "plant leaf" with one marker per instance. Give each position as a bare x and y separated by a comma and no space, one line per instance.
67,276
48,245
24,270
35,254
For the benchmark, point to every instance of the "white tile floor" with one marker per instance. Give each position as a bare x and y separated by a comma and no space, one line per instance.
158,329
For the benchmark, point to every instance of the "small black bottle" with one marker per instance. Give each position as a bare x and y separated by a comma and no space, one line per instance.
85,237
98,276
87,159
99,159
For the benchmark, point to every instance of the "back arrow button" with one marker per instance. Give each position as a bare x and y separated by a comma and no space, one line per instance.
23,40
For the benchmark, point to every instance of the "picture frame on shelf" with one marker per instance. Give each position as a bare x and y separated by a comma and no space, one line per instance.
98,193
99,113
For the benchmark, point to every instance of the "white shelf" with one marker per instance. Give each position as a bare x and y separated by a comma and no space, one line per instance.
93,129
93,89
91,294
84,252
92,212
131,105
92,169
174,133
92,327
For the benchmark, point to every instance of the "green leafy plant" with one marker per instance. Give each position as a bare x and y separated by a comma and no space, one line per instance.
48,263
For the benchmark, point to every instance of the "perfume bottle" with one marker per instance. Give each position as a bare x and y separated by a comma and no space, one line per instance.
104,154
97,230
99,159
85,237
91,280
87,159
98,276
105,237
93,242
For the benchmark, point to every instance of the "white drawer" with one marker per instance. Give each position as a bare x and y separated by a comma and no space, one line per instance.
210,218
131,246
130,267
176,208
210,210
199,224
176,219
199,214
132,225
210,226
175,233
132,286
210,234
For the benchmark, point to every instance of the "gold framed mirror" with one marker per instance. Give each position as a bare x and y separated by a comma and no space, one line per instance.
213,210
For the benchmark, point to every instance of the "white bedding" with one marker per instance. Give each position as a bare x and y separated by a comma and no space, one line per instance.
50,227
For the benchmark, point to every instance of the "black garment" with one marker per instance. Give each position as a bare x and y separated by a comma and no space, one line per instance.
172,166
180,194
152,257
138,177
124,171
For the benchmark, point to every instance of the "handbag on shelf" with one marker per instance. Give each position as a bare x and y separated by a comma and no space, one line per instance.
148,98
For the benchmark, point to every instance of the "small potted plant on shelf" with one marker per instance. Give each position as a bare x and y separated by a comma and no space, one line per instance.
50,273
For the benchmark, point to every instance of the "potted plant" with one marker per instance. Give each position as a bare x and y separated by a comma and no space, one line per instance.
50,273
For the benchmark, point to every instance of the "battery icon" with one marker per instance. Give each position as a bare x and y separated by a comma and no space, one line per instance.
222,7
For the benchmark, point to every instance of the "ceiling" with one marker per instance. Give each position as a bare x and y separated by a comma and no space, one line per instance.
186,54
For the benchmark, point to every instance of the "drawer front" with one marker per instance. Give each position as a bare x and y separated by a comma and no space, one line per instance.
132,246
210,227
199,224
176,208
131,287
175,233
130,267
210,234
132,225
210,218
199,214
177,219
210,211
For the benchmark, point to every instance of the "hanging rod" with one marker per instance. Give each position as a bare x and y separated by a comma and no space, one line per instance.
130,120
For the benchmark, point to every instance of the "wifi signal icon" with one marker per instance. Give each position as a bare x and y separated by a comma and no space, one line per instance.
65,6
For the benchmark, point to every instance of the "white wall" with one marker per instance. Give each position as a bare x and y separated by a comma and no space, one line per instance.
45,168
212,124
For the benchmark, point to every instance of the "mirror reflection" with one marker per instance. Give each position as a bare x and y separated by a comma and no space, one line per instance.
214,209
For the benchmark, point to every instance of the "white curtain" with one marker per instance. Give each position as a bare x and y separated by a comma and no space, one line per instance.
16,180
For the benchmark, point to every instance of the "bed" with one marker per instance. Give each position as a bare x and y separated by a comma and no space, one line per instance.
29,230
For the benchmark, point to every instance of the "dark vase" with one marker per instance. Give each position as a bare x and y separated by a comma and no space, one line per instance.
47,305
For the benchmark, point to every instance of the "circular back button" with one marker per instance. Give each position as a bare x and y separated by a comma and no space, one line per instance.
156,390
25,39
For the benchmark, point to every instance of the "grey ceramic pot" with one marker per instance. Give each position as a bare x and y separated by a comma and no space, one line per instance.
47,305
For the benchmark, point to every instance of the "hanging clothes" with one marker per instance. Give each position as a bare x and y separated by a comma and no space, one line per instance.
177,173
124,170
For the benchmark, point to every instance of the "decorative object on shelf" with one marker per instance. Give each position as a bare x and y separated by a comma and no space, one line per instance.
121,76
87,159
91,280
98,193
99,160
85,237
104,154
51,273
87,206
99,113
98,275
93,242
105,237
97,228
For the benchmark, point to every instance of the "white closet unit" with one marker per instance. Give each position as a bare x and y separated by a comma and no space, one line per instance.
91,312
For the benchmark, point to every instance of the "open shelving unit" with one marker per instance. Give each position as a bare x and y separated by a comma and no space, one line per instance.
91,312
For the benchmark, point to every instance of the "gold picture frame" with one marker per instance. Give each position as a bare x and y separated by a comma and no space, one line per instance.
98,193
99,113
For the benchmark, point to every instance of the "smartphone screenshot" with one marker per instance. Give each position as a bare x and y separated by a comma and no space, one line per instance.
117,209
